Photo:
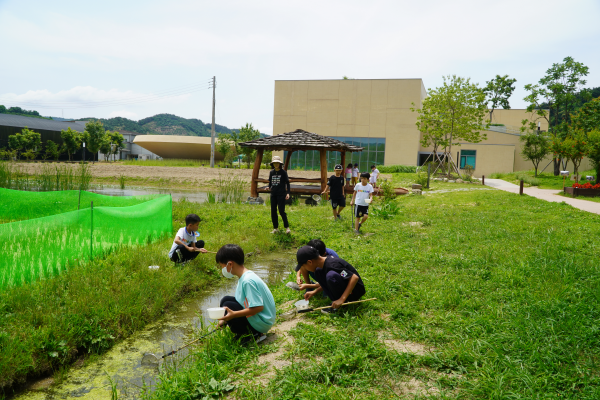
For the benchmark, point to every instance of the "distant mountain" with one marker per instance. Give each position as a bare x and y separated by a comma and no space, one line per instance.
20,111
162,124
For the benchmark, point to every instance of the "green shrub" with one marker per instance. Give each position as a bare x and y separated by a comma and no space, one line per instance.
527,179
389,169
421,178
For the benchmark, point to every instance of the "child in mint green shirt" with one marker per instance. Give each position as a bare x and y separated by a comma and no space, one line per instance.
251,313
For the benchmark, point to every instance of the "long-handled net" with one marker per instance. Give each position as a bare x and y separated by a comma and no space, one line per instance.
151,359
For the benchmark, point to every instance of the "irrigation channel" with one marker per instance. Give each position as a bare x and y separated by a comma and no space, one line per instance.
122,363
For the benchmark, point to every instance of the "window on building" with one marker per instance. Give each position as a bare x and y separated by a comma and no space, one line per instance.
467,157
374,153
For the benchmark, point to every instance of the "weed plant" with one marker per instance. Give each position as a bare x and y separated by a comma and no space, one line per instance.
498,293
230,189
49,177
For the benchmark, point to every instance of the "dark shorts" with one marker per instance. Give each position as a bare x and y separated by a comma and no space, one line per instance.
361,210
335,203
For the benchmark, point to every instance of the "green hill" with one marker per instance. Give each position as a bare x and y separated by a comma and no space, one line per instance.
162,124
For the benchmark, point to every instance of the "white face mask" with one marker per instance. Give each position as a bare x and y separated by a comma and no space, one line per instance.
227,274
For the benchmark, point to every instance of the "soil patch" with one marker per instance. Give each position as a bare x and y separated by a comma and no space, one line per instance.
406,346
190,176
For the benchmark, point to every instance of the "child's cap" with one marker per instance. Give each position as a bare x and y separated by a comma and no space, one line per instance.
338,166
356,164
304,254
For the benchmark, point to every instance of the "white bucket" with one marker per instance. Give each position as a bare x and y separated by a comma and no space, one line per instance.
216,313
368,201
301,304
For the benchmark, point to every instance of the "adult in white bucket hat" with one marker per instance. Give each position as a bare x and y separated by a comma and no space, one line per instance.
279,185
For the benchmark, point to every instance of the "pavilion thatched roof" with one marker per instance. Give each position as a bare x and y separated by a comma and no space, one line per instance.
300,140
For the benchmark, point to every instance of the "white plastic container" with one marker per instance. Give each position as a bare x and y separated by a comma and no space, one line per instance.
368,201
216,313
301,304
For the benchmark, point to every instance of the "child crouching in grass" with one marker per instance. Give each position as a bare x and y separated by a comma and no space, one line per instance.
338,279
187,244
251,312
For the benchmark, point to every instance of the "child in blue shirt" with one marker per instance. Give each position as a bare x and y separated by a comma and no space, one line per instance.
251,312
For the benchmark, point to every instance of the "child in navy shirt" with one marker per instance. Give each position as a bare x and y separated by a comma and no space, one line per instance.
338,279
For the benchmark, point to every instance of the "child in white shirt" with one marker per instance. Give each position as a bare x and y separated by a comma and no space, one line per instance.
355,173
363,194
187,244
374,173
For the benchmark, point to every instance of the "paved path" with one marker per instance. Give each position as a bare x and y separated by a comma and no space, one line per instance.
544,194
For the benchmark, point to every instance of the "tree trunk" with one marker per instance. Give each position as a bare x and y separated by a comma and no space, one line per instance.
556,162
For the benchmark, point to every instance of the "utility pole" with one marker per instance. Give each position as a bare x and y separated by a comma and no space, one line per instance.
212,130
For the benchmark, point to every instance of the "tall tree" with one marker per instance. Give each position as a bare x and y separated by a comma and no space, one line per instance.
96,134
535,148
587,122
498,91
27,142
72,141
452,113
224,147
116,141
53,150
248,133
558,89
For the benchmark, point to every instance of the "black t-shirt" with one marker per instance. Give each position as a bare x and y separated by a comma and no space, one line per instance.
336,185
279,182
340,266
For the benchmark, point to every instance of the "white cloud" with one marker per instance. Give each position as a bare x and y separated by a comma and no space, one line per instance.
81,97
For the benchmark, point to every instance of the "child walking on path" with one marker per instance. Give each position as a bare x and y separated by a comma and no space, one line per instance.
338,279
186,244
251,312
374,174
363,194
348,173
279,185
355,173
335,185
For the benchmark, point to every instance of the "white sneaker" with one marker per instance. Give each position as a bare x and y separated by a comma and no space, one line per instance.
288,231
275,231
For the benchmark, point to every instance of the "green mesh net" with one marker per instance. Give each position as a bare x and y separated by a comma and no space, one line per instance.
17,205
43,247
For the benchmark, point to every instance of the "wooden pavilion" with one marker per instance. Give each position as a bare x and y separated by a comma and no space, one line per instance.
298,140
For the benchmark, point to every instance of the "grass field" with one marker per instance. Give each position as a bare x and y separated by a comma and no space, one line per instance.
494,295
545,180
46,326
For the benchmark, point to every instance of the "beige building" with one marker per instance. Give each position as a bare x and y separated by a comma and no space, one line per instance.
375,114
183,147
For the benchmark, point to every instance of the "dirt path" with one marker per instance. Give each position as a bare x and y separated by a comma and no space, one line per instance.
199,176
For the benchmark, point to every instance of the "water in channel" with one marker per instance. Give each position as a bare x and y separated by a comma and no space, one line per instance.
121,364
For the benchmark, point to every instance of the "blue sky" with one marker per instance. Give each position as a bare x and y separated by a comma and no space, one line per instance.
71,56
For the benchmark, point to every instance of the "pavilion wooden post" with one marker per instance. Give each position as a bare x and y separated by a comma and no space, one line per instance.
323,161
255,172
286,164
344,165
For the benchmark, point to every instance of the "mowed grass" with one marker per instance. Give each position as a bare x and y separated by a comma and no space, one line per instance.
546,179
498,294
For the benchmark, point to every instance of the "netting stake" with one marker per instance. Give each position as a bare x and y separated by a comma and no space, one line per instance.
91,230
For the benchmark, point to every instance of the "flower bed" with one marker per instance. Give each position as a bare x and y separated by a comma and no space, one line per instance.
585,190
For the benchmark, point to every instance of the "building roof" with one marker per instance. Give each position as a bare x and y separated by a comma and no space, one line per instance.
173,146
19,121
300,140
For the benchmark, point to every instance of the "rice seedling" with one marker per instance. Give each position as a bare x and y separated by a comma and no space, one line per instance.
77,235
122,181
